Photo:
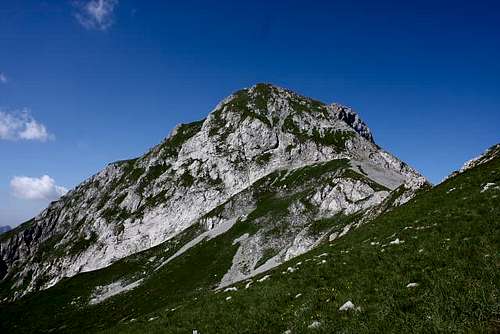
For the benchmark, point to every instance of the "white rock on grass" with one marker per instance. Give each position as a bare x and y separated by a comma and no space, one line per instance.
349,306
333,236
487,186
101,293
396,242
314,324
412,285
264,278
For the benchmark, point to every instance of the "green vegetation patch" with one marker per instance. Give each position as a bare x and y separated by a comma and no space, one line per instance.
328,137
307,105
353,175
335,223
268,253
82,243
49,249
314,172
253,106
335,138
172,145
263,159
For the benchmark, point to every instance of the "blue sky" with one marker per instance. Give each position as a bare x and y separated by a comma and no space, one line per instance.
85,83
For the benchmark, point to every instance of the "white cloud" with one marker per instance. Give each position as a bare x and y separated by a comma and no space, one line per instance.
36,188
20,125
96,14
3,78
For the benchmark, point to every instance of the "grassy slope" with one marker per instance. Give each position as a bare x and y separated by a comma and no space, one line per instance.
451,249
459,279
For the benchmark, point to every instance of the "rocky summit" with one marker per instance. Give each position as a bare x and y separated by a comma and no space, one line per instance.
275,164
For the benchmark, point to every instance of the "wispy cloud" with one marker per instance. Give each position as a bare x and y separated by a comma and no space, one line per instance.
43,188
96,14
20,125
3,78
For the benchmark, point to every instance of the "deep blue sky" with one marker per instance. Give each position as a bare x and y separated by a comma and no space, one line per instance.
425,76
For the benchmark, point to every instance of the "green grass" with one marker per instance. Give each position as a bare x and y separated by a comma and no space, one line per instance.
329,137
300,176
82,244
335,138
335,223
264,158
187,180
172,145
268,253
49,249
241,103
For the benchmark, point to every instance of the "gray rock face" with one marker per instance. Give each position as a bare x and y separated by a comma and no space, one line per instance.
260,134
347,115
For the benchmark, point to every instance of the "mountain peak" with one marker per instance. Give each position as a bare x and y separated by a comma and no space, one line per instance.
274,105
205,177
